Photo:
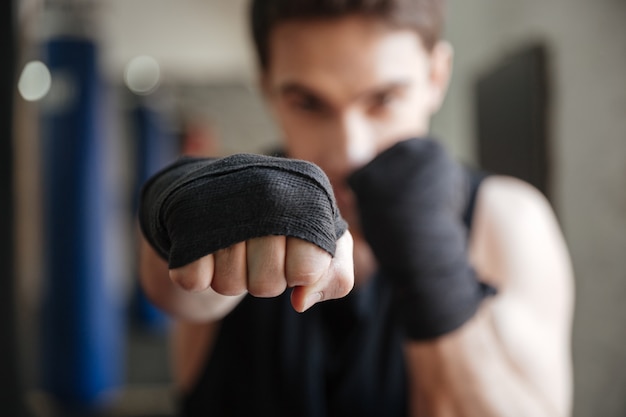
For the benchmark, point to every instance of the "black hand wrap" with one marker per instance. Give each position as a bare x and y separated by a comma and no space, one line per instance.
198,206
410,199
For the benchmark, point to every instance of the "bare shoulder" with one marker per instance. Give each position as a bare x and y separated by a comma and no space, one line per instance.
518,246
506,201
516,239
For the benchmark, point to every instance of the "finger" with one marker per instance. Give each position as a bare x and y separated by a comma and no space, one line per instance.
337,282
266,266
305,263
196,276
230,277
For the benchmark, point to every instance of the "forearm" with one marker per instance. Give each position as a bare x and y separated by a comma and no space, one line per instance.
468,373
201,306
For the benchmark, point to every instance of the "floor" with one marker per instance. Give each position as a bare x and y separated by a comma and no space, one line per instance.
147,389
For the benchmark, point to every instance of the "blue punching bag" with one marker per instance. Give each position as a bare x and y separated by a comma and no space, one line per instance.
155,148
82,316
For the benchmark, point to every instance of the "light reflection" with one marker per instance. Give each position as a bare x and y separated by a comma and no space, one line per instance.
142,75
35,81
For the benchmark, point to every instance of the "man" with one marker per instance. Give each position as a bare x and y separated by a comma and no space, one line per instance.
422,332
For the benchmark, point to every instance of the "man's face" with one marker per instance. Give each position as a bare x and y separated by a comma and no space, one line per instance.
343,90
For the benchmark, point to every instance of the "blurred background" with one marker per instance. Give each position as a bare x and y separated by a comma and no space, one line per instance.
98,95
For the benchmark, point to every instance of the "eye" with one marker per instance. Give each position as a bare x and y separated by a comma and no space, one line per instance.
307,103
382,99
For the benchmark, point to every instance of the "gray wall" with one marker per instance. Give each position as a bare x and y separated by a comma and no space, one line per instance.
588,53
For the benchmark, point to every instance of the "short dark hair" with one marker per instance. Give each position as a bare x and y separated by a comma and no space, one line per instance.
426,17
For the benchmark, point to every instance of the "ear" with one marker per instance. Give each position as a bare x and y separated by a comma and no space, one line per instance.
441,59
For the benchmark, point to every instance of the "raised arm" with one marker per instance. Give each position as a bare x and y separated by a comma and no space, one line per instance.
513,358
470,353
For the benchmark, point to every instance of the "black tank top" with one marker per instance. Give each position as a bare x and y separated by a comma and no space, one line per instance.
340,358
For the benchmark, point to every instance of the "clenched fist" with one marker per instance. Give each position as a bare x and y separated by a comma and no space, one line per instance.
267,266
249,223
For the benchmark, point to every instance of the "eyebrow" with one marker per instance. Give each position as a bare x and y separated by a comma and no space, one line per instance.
297,88
390,86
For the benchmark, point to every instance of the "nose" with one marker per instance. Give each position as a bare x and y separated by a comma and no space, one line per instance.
351,143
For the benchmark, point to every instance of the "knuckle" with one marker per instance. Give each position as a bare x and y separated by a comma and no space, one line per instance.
188,282
227,286
226,272
230,271
267,288
306,263
304,274
194,277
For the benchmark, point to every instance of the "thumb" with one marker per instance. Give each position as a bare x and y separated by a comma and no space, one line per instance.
337,282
